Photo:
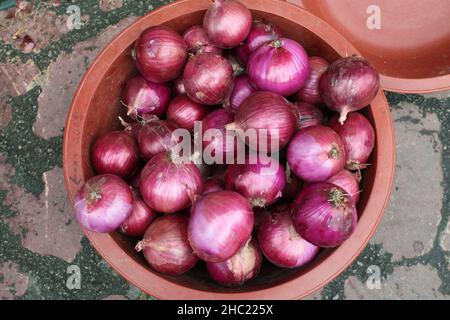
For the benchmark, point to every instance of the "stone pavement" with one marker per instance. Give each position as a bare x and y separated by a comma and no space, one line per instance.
40,242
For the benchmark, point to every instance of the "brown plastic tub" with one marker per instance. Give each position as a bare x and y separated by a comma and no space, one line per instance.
95,109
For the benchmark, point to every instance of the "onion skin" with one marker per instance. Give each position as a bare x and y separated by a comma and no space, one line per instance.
184,112
308,115
169,187
315,154
160,54
220,225
145,97
197,41
227,23
310,92
269,111
349,182
103,203
239,269
166,247
325,215
208,79
280,242
156,137
350,84
262,182
243,88
358,136
280,66
139,220
115,153
213,185
178,86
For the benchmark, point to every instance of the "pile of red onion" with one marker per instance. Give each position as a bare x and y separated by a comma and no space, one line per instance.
288,149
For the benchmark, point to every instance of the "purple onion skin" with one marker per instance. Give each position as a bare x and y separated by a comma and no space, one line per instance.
115,153
239,269
178,86
243,88
197,41
269,111
280,242
156,137
350,84
103,203
310,92
145,97
316,153
208,79
358,136
349,182
325,215
169,187
166,247
259,181
260,34
139,220
160,54
213,185
227,23
184,112
220,225
280,66
308,115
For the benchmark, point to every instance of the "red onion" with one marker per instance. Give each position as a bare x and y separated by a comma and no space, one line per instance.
115,153
358,136
325,215
184,112
280,66
349,182
261,179
293,185
212,185
221,223
268,115
308,115
349,84
316,153
140,218
241,91
310,91
227,23
197,41
239,269
178,86
160,54
280,242
208,79
166,246
103,203
145,97
169,185
155,137
132,129
260,33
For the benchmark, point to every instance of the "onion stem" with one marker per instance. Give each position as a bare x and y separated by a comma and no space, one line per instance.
336,198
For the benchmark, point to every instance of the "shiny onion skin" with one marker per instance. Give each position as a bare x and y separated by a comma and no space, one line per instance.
349,182
145,97
308,115
280,66
166,247
197,41
168,186
315,154
227,23
358,136
115,153
140,218
220,225
243,88
184,112
239,269
213,185
260,33
160,54
261,180
310,92
103,203
208,79
350,84
325,215
178,86
269,111
280,242
155,137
